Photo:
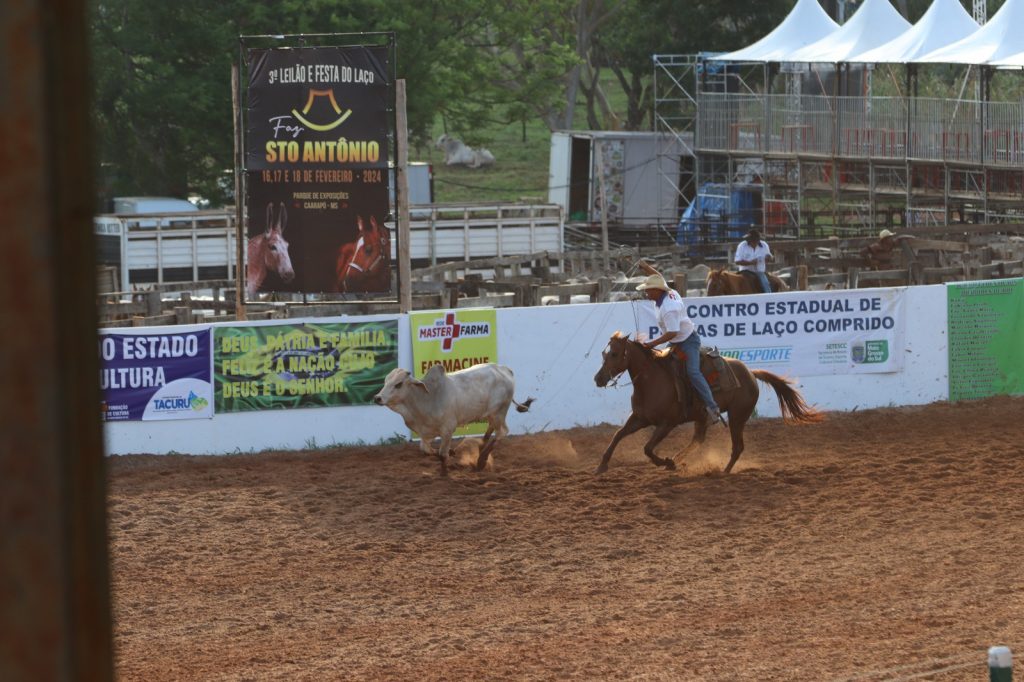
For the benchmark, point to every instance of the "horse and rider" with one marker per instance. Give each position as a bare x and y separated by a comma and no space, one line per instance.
669,389
680,333
752,277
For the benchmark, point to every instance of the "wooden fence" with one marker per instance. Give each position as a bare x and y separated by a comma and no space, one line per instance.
925,256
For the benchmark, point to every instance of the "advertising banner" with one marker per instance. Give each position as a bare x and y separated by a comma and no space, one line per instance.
302,365
986,338
155,376
456,339
806,333
316,167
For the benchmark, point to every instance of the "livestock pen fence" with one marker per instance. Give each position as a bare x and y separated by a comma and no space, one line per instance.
926,256
936,341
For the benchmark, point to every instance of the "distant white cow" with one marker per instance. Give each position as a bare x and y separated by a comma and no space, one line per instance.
456,153
441,402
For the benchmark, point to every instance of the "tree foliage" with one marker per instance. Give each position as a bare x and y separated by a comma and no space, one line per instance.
642,28
163,72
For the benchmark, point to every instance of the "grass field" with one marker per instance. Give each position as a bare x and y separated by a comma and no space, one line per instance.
520,171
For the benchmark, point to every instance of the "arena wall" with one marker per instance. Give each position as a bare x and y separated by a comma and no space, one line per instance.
554,351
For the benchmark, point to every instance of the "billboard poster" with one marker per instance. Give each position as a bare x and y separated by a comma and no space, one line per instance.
316,163
155,376
806,333
302,365
986,338
455,339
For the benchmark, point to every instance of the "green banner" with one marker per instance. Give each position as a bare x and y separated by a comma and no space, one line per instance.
986,338
302,365
456,339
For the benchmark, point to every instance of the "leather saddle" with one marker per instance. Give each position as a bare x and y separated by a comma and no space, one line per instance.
713,366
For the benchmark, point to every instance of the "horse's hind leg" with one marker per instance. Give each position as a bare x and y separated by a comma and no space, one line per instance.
659,434
700,432
736,430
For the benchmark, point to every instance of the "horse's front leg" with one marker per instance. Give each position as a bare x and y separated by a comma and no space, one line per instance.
659,434
632,425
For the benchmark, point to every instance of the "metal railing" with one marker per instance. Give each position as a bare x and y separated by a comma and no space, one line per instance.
885,128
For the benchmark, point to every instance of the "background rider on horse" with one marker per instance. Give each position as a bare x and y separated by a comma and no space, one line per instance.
751,255
679,331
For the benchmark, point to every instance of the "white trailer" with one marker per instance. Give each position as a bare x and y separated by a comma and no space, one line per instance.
638,173
156,248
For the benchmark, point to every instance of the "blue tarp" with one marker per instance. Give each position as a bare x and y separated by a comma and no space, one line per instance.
718,215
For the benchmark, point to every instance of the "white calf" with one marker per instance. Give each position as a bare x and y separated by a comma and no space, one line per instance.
441,402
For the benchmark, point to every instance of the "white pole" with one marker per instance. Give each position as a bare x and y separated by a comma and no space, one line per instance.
1000,664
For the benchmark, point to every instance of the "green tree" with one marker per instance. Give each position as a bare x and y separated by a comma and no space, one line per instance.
643,28
162,94
162,74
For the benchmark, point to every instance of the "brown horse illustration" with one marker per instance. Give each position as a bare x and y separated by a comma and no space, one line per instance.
268,252
656,402
724,283
363,263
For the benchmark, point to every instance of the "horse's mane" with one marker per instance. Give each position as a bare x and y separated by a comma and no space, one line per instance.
649,353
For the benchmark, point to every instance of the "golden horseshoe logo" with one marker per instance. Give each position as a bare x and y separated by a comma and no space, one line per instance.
329,94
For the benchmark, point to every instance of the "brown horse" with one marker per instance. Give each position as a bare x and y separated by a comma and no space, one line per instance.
363,263
268,252
656,402
723,283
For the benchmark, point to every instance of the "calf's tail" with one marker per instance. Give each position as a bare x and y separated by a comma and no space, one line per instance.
524,406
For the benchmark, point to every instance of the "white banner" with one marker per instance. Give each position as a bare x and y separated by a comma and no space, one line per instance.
801,333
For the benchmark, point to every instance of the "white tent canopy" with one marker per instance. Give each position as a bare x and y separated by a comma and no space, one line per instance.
1011,61
1001,38
875,23
806,23
945,22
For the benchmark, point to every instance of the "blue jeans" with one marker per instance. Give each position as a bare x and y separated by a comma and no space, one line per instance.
766,286
691,346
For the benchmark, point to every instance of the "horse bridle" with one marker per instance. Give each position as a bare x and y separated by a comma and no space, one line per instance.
615,379
373,264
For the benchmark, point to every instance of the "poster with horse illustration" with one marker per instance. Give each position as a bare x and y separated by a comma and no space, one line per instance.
316,168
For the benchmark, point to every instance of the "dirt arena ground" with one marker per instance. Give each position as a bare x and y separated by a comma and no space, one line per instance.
879,545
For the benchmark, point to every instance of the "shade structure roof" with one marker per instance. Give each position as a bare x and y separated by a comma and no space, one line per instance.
806,23
945,22
1000,39
874,24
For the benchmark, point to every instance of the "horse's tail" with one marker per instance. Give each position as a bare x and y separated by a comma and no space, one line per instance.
794,408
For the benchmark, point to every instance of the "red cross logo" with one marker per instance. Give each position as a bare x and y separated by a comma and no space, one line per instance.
449,320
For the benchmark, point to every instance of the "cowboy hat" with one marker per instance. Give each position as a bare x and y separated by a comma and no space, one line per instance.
653,282
753,234
885,233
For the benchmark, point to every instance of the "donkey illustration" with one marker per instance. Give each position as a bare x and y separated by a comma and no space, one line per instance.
268,252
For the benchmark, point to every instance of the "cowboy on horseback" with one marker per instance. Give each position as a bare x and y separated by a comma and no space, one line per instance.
679,331
751,254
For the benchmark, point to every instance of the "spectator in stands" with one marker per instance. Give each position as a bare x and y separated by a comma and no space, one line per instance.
751,255
879,253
